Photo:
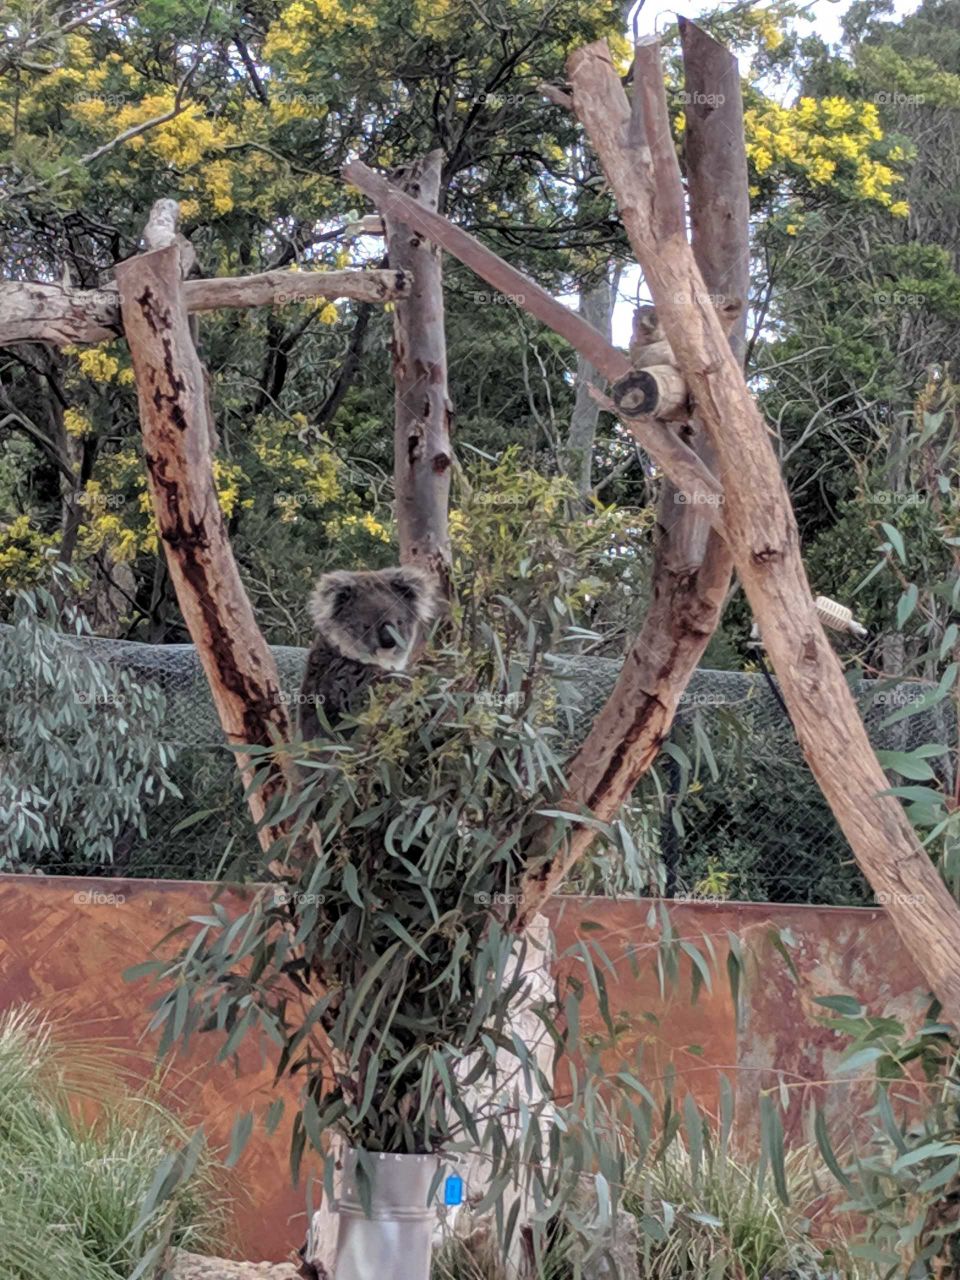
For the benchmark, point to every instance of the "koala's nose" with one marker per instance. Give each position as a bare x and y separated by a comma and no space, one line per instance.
387,637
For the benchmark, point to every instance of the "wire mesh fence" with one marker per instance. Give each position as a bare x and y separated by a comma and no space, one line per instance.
730,811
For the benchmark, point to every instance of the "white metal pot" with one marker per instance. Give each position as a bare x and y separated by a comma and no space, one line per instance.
397,1237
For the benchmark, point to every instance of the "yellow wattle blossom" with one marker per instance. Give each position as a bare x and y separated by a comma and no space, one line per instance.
368,523
791,228
76,424
770,33
104,530
828,140
217,177
304,24
900,209
183,141
328,312
23,554
98,364
228,477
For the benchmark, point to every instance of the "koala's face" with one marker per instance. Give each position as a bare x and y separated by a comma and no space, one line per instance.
375,617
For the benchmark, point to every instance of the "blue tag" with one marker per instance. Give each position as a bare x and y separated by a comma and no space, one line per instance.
453,1190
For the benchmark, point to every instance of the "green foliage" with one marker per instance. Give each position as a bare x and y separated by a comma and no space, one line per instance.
521,546
726,1219
75,1194
426,805
82,760
901,1183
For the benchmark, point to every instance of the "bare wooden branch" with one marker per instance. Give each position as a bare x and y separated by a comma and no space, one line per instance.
508,280
423,413
556,96
239,667
692,565
34,311
716,165
632,726
763,538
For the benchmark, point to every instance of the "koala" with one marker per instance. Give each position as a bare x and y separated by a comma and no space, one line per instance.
368,625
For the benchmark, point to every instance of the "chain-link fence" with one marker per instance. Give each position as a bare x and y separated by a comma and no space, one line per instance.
731,809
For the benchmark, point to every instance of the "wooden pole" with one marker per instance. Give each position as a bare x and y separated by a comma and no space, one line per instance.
423,414
761,529
238,664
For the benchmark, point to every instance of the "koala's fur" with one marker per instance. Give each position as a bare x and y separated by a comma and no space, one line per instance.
368,624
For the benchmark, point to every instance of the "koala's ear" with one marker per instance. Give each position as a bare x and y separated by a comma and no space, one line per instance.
333,593
419,588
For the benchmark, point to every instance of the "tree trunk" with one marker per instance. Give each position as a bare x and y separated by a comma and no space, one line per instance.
596,307
239,667
692,565
423,414
759,521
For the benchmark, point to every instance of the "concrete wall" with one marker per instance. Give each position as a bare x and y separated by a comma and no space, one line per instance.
65,943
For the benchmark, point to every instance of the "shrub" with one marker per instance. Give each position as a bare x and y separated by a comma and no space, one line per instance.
82,760
74,1192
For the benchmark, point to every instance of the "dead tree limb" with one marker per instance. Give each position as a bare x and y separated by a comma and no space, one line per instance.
692,564
762,531
238,665
581,335
423,413
34,311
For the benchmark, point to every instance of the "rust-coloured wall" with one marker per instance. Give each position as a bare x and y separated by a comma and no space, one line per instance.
64,944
